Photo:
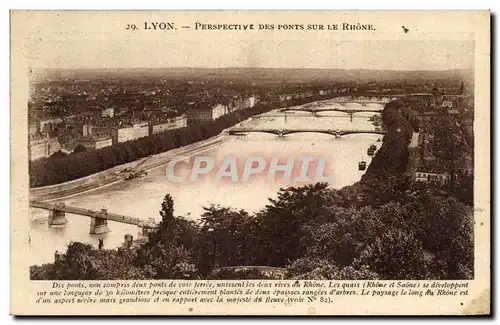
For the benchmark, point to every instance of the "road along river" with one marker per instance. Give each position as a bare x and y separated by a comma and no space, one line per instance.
142,197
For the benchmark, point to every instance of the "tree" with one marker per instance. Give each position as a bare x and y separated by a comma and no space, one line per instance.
226,238
312,268
79,148
58,154
464,188
169,250
283,220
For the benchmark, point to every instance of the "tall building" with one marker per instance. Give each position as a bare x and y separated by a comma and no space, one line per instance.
40,147
94,142
200,112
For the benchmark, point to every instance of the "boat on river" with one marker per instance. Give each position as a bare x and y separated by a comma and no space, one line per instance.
362,165
371,150
137,174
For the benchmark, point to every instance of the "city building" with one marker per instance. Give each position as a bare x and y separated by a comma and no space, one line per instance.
136,131
94,142
285,97
179,121
121,111
200,112
108,112
196,115
218,110
89,129
249,102
40,147
440,178
414,140
173,123
47,125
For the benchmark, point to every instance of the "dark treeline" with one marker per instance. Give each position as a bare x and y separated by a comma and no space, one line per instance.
59,168
382,227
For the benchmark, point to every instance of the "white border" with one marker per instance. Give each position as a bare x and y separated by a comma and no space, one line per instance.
185,4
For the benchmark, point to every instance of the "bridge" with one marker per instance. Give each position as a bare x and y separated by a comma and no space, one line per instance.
301,116
282,132
366,100
98,219
315,110
362,102
325,109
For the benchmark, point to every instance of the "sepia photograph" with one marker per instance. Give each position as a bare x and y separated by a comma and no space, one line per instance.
399,143
250,158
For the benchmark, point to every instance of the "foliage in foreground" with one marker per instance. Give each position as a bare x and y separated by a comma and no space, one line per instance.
379,228
421,235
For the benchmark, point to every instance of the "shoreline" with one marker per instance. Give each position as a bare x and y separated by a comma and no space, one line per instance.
109,177
120,179
161,159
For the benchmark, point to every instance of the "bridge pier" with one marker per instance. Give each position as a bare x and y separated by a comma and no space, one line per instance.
350,115
57,217
99,226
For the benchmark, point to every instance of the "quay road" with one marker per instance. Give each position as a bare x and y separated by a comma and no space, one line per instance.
113,175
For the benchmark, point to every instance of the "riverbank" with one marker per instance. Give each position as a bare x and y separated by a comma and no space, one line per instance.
142,197
58,170
112,175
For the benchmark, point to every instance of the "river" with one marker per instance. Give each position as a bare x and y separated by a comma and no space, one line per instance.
142,197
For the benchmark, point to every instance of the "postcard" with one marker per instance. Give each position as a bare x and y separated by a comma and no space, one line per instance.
250,163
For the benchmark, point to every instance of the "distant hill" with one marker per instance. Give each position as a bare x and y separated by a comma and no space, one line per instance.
290,75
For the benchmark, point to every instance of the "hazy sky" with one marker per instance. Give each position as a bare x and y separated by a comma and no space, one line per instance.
312,53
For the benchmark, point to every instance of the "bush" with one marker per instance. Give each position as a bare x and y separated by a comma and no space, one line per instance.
307,268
